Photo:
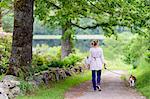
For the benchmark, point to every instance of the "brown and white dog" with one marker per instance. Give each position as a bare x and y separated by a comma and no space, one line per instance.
132,80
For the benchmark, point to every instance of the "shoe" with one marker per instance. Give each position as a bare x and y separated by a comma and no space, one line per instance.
98,87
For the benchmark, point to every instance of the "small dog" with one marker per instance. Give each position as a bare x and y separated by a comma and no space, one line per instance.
132,80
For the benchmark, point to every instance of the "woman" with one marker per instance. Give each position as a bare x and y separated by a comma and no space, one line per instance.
96,63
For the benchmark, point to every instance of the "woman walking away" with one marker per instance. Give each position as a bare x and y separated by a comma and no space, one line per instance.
96,63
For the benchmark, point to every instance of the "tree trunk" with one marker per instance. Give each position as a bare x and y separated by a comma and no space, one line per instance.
66,42
21,55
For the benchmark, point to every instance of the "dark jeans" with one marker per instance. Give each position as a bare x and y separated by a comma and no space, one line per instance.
94,81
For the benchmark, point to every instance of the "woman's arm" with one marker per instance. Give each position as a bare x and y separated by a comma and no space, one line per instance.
102,57
90,55
89,58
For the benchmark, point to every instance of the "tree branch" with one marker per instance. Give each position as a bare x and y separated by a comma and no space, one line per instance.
95,25
52,4
90,27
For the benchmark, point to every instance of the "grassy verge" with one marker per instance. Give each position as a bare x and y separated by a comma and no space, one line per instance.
117,64
1,77
143,78
57,90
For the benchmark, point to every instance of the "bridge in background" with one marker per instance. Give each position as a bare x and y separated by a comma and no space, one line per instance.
46,37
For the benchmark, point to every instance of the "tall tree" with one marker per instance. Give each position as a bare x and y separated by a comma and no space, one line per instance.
21,55
61,13
66,41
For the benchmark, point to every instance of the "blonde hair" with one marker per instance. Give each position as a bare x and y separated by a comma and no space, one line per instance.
94,42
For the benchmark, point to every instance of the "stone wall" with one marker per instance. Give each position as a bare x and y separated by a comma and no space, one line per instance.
9,86
55,74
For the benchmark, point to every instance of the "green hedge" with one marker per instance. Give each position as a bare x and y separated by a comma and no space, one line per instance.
45,57
137,48
5,50
142,74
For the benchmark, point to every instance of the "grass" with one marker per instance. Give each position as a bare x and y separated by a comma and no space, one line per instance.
57,90
117,64
1,76
143,78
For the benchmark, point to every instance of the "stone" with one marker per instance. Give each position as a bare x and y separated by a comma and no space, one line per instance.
46,78
10,95
71,71
80,69
33,83
68,73
4,93
1,84
76,70
38,79
15,82
52,76
3,96
9,78
62,74
15,91
9,87
57,75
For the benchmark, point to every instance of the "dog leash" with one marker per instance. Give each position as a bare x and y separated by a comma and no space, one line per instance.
113,71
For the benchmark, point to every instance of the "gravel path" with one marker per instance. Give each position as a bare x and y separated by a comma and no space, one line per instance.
112,88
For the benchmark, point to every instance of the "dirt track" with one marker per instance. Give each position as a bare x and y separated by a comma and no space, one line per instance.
112,88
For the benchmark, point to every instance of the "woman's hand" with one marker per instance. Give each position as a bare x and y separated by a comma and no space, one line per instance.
105,66
88,66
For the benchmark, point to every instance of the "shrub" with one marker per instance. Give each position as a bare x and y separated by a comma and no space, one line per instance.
45,57
143,79
72,59
56,63
147,54
113,48
25,87
136,49
8,23
5,50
